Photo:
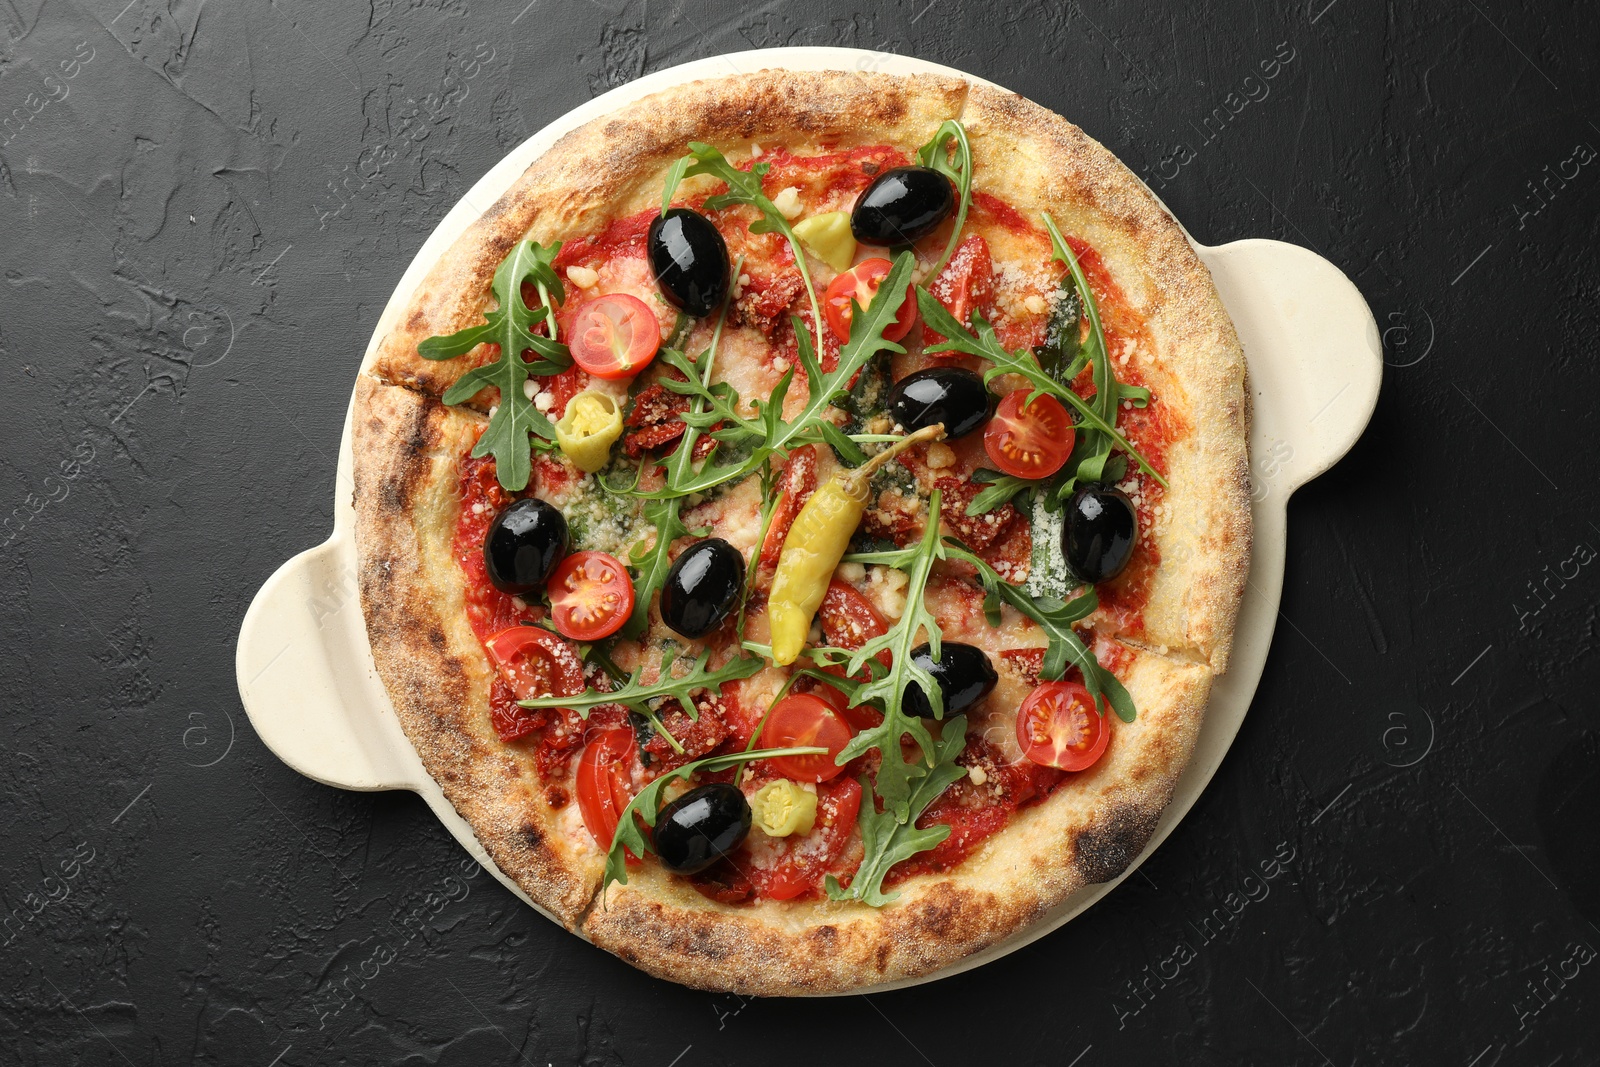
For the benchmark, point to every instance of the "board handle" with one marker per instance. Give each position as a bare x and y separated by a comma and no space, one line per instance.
1322,383
306,678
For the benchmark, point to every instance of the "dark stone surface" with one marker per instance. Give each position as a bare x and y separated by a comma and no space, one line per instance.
204,212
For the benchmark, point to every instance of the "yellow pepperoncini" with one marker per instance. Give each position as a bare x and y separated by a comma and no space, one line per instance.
829,236
591,425
782,808
816,541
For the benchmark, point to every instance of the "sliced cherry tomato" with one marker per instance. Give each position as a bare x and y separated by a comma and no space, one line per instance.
861,281
604,782
1058,725
849,620
535,662
806,719
1032,441
591,596
965,285
813,856
614,336
797,482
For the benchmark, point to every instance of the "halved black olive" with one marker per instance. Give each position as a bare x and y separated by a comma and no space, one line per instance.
524,544
702,587
1098,532
954,396
701,827
963,672
689,259
901,206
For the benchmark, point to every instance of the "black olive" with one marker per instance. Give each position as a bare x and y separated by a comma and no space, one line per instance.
701,827
963,672
1098,532
702,587
954,396
689,259
902,205
524,544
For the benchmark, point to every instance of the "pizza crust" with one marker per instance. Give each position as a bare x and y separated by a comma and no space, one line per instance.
407,449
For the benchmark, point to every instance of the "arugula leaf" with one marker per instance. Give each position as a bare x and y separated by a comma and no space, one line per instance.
1055,617
1107,392
887,840
744,187
768,433
652,563
510,326
895,774
959,170
986,345
647,805
1002,487
639,695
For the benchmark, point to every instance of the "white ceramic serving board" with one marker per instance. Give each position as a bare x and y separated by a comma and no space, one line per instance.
306,675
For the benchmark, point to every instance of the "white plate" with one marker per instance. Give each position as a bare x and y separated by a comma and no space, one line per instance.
305,670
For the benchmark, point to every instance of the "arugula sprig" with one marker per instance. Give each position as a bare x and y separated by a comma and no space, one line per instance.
744,187
887,840
647,805
888,689
767,434
1055,617
642,696
510,326
958,169
981,341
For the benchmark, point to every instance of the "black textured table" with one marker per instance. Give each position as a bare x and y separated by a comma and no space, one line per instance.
205,208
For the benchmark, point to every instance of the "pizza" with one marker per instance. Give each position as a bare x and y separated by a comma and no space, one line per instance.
800,522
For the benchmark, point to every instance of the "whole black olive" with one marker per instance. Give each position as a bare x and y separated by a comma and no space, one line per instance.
1098,532
902,205
702,587
701,827
954,396
963,672
524,544
689,259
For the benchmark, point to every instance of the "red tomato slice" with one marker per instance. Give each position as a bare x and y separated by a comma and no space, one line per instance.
535,662
965,285
591,596
614,336
849,620
603,782
813,856
1058,725
1032,441
797,482
861,281
805,719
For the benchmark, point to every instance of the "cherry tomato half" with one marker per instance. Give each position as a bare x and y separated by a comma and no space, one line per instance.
614,336
805,719
1032,441
535,662
604,784
797,482
591,596
861,281
1058,725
